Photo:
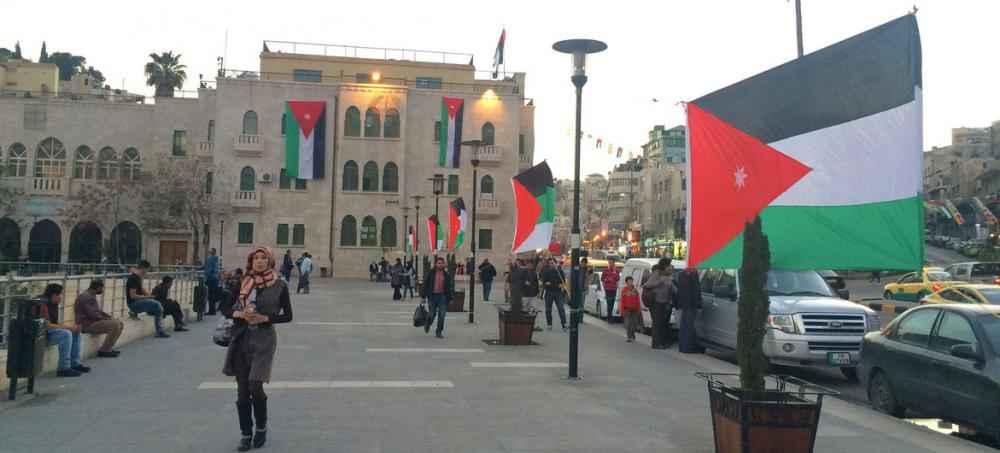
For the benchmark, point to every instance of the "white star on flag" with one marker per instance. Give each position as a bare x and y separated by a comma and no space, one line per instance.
741,177
308,116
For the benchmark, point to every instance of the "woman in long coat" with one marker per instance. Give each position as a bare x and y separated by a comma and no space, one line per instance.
262,302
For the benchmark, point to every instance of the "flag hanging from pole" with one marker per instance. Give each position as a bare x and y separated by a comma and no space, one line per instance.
411,240
458,221
450,141
535,206
498,54
434,234
305,139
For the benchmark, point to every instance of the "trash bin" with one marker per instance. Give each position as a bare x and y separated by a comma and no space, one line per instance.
26,348
324,272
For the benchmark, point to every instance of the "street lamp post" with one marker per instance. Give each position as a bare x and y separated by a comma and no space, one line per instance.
416,233
475,201
222,226
438,189
579,48
406,230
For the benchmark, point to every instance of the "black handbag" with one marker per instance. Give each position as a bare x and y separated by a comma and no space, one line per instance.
420,316
223,334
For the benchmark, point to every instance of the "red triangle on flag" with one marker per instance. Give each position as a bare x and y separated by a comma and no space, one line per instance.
306,113
734,176
528,211
453,104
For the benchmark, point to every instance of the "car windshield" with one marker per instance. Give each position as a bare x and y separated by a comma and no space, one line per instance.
797,283
992,295
991,325
986,270
938,276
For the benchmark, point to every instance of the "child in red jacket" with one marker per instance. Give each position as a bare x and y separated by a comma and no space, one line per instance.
631,309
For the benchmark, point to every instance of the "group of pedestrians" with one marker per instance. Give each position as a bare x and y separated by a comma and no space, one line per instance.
403,279
664,291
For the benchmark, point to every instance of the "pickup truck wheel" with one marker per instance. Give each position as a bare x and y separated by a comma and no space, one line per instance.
881,396
887,295
851,373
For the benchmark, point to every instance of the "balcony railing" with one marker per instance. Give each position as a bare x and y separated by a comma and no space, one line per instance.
48,186
246,200
490,154
206,148
488,207
248,145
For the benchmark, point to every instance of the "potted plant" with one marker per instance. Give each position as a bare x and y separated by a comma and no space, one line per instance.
516,326
752,411
457,303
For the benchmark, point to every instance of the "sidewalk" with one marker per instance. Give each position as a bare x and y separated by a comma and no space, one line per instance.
356,377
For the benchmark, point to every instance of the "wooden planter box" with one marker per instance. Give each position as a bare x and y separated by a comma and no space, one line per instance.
516,329
782,419
457,303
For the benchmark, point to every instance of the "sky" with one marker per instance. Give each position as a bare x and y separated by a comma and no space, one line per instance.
670,50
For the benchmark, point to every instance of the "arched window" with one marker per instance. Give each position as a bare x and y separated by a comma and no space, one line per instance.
388,232
350,176
50,159
352,122
107,163
369,178
349,232
392,123
369,232
131,164
248,179
488,134
83,163
373,124
17,161
486,187
250,122
390,178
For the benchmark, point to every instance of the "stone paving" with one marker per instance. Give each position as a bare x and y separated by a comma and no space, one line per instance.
358,378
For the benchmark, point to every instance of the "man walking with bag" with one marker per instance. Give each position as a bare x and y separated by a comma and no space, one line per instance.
439,288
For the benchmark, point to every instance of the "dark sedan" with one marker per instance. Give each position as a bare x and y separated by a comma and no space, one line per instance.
939,360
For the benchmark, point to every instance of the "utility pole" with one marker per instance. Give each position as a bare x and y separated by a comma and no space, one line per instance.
798,24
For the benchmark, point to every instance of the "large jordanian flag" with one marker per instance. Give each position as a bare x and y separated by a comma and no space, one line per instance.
826,149
535,200
450,141
305,139
458,223
434,233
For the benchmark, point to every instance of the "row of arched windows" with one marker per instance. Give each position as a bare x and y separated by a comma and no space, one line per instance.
50,161
374,126
369,177
370,235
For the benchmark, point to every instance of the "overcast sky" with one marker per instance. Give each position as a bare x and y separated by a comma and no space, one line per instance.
671,50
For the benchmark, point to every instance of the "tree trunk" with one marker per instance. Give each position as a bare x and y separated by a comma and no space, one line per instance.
753,307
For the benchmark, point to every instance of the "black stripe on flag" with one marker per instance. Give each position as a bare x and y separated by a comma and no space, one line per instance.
319,144
536,179
866,74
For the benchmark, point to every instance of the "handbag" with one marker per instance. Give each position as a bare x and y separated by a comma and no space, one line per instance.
420,316
223,334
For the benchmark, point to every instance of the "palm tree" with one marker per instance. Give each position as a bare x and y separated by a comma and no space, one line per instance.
166,73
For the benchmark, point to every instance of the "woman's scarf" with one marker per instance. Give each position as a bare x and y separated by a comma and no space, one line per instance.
254,279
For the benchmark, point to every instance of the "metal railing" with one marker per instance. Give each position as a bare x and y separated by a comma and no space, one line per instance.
501,88
112,301
375,53
32,268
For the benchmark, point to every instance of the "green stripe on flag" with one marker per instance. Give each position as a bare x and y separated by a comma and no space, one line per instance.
443,135
292,133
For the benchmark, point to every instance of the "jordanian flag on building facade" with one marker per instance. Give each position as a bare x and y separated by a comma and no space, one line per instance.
450,141
458,223
535,200
434,234
826,149
305,139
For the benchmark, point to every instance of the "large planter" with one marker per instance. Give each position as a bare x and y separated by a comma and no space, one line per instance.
781,419
516,328
457,303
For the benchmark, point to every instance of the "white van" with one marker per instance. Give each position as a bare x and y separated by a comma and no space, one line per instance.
637,268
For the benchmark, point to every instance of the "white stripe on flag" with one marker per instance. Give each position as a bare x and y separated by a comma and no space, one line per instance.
450,145
306,154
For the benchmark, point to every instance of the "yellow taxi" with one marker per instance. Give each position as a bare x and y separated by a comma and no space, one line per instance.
915,286
965,294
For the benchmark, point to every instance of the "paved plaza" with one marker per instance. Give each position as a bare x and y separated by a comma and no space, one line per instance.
353,375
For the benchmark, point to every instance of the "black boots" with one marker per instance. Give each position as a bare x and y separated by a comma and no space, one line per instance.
246,424
260,414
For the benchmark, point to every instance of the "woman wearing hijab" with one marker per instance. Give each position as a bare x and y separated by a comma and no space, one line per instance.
262,302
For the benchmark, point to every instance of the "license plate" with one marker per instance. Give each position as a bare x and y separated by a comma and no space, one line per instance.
838,358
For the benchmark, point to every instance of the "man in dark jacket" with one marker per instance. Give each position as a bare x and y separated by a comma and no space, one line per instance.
688,300
552,280
487,273
170,307
523,286
439,288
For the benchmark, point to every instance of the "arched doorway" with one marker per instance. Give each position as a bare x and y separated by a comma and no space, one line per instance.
45,242
126,242
85,243
10,240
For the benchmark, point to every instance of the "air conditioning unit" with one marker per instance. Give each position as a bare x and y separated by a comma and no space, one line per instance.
265,178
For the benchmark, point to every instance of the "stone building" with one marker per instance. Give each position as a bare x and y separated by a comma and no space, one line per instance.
382,128
26,78
664,189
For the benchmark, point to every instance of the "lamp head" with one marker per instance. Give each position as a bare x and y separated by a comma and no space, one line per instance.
579,48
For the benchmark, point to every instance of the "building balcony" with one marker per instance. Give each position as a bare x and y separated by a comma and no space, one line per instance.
488,207
248,145
246,200
47,186
490,154
206,149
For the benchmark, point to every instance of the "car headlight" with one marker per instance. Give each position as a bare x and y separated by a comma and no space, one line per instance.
784,323
874,321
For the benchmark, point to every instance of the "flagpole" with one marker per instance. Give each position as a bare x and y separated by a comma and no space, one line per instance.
798,24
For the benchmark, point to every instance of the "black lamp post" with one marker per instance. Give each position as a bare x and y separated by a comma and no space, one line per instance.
416,233
438,189
579,48
222,227
406,229
475,201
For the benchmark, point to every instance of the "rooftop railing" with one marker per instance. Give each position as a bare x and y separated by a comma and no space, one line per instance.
374,53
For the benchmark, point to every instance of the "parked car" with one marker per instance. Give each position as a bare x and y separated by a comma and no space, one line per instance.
837,283
965,294
808,324
976,272
917,285
637,268
939,360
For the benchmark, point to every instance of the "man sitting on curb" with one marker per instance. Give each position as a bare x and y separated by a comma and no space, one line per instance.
170,306
93,320
139,301
66,336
